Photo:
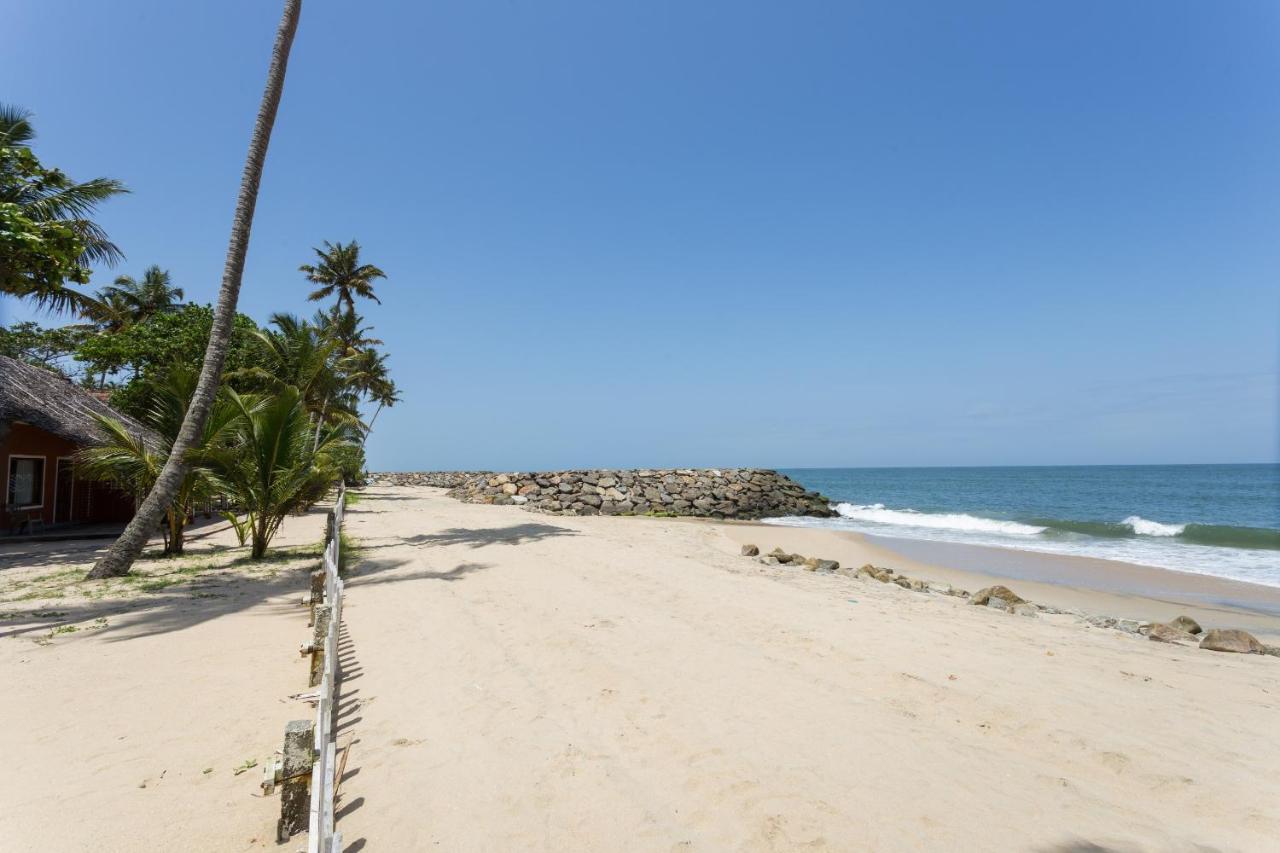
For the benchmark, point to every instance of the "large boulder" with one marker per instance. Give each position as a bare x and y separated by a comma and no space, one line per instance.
750,551
1232,640
1186,623
983,597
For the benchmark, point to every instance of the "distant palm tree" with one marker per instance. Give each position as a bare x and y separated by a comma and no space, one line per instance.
57,199
142,300
340,274
120,556
346,328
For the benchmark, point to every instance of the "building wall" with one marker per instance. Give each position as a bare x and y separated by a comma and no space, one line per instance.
91,502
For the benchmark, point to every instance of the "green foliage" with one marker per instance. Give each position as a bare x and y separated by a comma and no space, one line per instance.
149,349
273,466
340,275
47,239
43,347
127,462
130,301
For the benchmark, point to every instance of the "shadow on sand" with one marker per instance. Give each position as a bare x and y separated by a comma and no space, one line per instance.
516,534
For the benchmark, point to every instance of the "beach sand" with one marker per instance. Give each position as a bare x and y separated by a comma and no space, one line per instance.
118,697
532,682
524,682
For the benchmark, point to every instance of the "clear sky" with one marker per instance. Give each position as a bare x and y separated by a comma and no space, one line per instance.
724,233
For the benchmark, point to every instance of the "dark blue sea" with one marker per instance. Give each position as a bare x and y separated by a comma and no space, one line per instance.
1211,519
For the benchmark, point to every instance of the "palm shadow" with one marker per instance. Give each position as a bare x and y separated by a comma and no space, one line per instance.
479,537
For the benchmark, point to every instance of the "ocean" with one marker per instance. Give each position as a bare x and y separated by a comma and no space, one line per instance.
1221,520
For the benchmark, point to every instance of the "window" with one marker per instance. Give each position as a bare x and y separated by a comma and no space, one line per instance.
26,481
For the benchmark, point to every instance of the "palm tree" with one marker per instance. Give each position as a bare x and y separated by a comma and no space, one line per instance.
341,274
143,299
127,461
120,556
49,197
346,328
272,468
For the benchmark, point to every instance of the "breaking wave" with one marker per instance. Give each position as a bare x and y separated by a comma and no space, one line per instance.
1225,536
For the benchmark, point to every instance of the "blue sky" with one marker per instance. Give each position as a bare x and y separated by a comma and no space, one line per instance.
723,233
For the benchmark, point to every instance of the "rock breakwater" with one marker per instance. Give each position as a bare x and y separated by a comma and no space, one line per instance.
436,479
744,493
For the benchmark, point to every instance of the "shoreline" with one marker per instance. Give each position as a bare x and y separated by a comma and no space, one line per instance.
1094,585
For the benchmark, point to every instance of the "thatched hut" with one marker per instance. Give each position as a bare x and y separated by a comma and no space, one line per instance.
44,420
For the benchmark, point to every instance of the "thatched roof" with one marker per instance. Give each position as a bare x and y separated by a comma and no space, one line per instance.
52,403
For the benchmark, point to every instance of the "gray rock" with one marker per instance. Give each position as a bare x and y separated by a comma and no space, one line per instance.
1026,608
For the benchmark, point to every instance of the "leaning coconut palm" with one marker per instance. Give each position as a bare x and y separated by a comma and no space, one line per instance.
126,461
272,469
340,274
119,558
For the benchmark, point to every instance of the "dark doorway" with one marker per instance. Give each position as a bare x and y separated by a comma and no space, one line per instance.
62,494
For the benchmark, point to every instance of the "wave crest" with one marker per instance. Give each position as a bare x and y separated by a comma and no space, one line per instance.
1143,527
878,514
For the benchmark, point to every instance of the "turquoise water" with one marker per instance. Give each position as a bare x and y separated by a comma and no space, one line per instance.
1211,519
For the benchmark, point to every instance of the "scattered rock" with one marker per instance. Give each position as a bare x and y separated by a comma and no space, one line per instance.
1186,623
750,551
1101,621
1026,608
1232,640
814,564
780,555
941,588
997,592
1162,632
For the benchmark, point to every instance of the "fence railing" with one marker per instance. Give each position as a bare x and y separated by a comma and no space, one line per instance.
322,837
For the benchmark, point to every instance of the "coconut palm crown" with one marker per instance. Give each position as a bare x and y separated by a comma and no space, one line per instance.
340,274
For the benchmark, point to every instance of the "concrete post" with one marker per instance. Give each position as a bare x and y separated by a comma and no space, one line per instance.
320,631
317,593
295,782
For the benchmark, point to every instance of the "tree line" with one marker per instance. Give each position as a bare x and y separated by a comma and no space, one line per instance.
267,415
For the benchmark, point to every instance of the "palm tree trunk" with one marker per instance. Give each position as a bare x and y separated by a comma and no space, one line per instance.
319,423
119,558
365,438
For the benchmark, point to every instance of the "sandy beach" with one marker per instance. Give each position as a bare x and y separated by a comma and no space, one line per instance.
517,681
528,682
129,706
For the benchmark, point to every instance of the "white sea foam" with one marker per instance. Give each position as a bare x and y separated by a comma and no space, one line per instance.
878,514
1156,545
1143,527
